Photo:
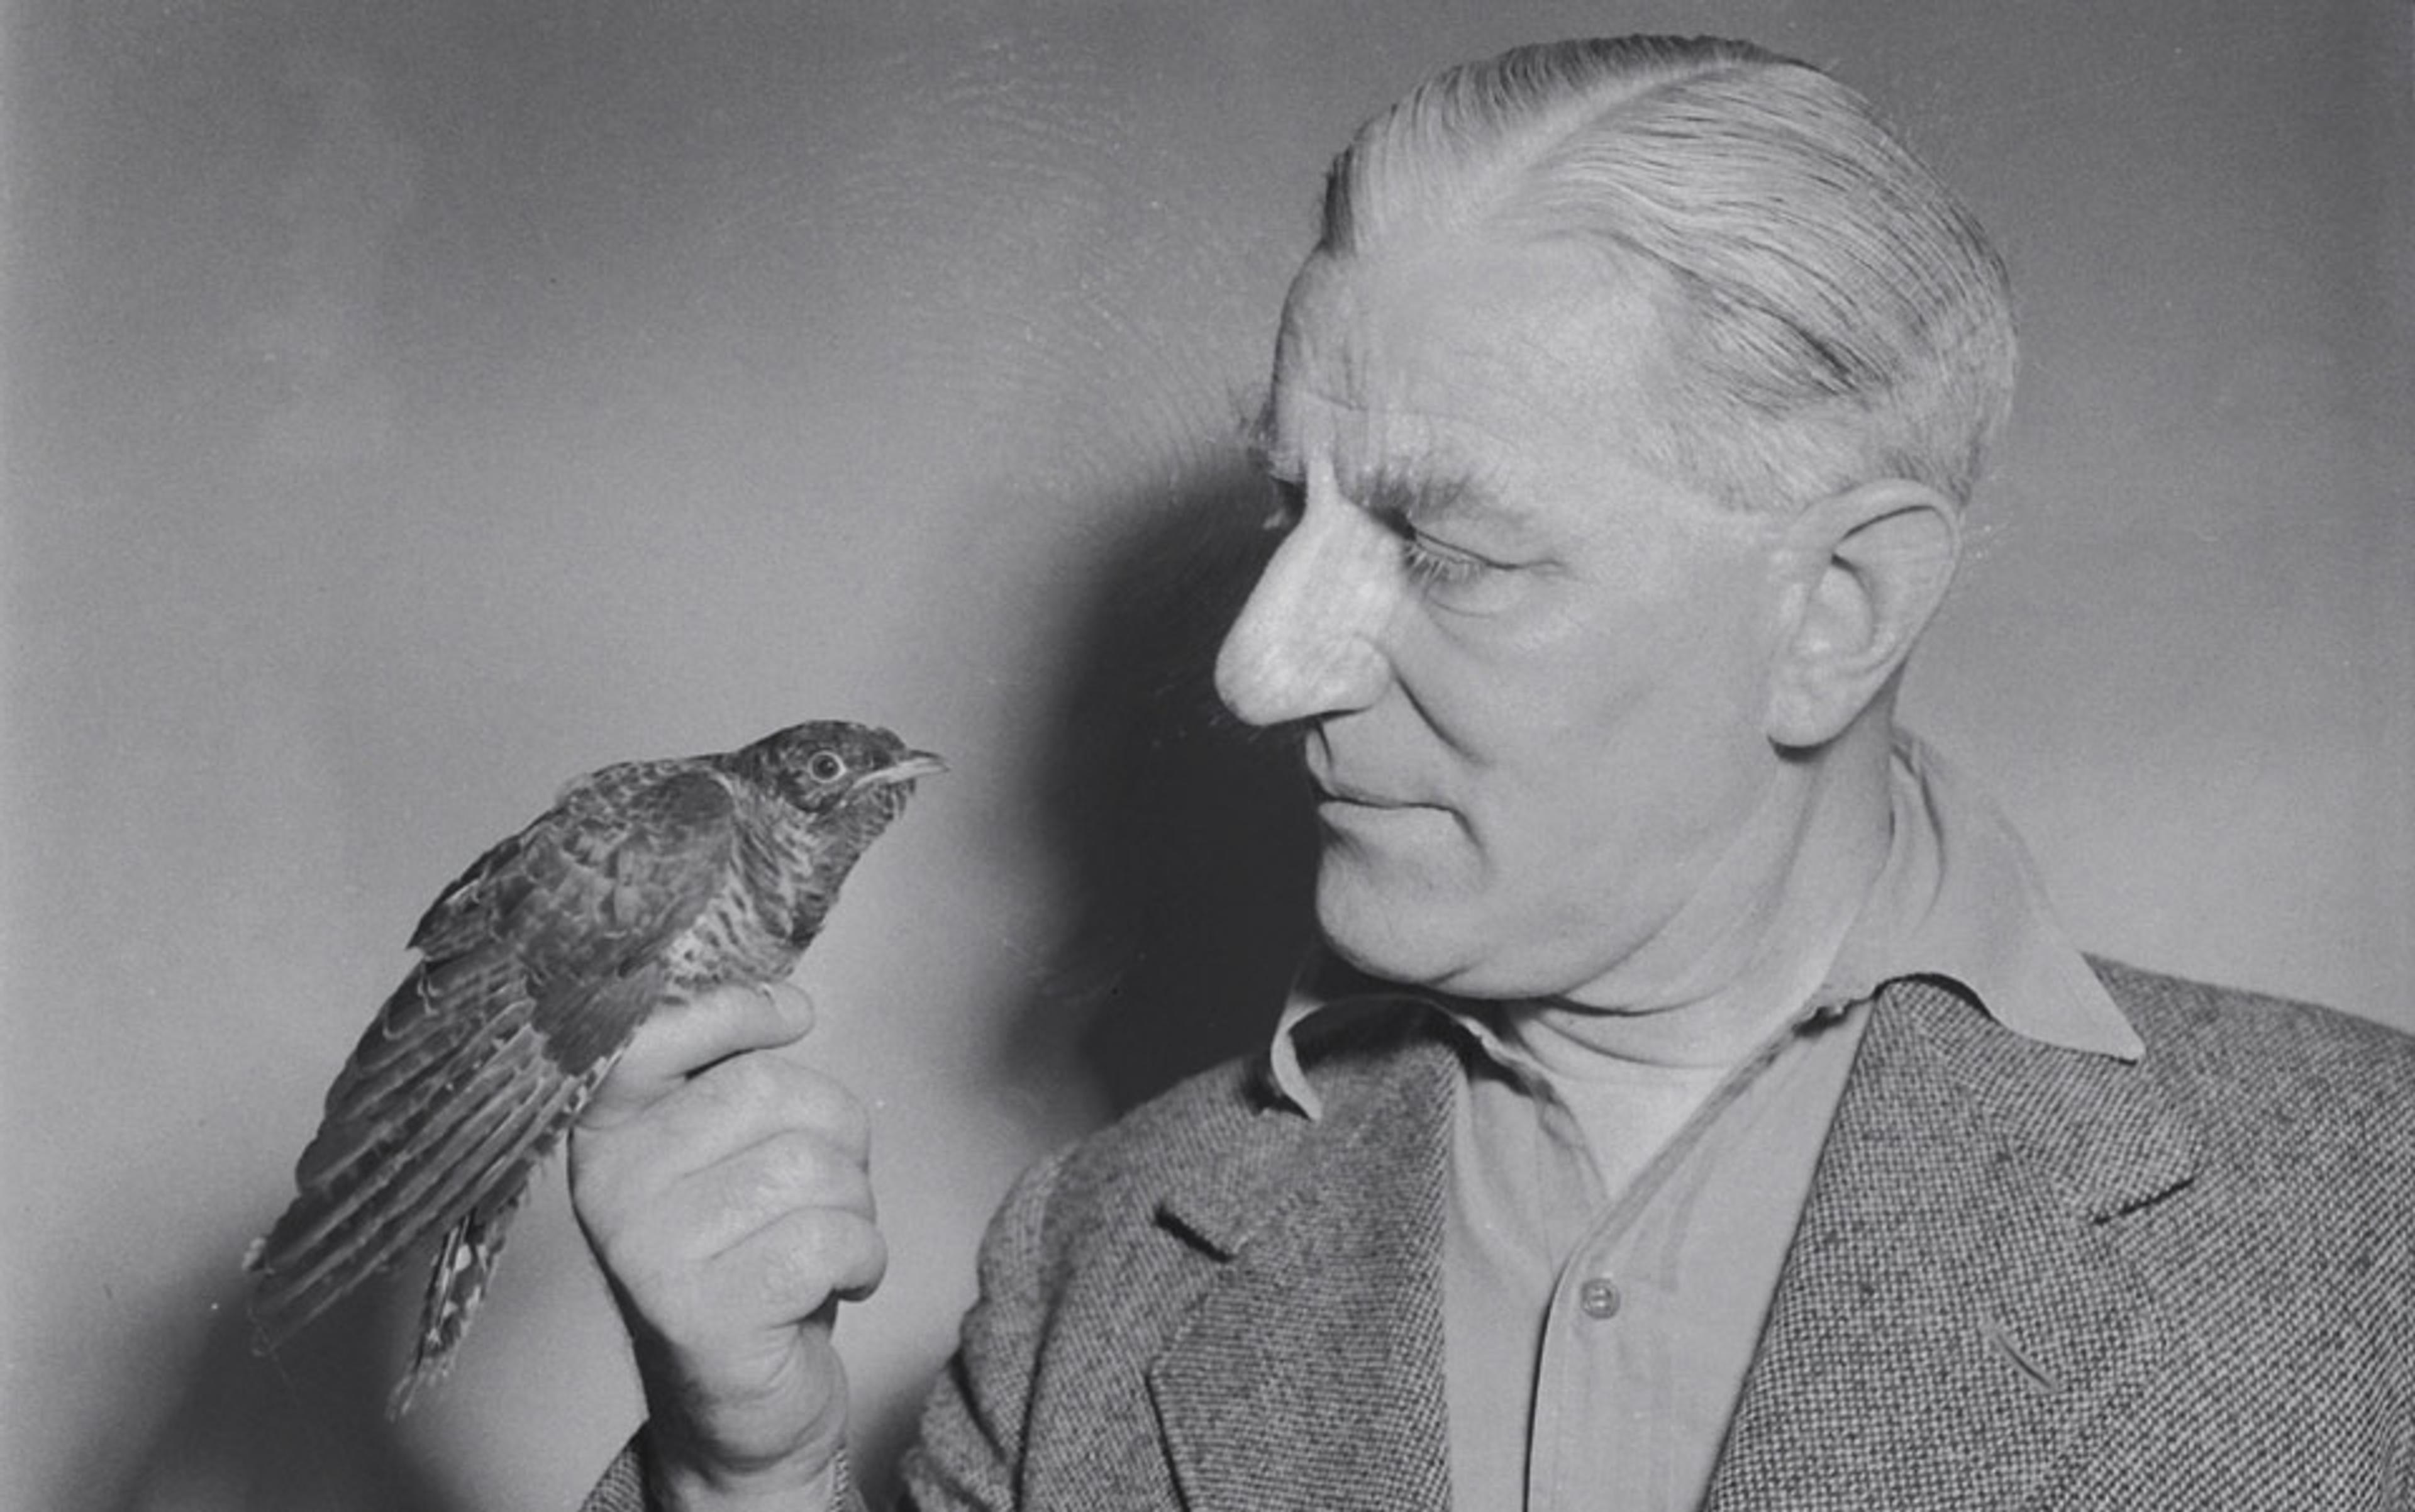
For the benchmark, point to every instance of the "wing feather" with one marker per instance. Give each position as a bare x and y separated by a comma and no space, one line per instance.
541,960
370,1222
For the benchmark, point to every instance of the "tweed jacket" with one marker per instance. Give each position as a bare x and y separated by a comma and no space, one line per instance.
2025,1277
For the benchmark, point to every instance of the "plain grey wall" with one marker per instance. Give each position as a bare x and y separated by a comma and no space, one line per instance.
410,406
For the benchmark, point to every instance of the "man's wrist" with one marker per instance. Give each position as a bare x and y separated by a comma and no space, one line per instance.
676,1482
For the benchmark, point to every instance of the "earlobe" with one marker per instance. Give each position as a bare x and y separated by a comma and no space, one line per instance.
1870,567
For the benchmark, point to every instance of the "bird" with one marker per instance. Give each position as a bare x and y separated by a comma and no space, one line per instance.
647,882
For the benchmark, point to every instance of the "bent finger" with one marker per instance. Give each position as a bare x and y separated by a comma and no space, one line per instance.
726,1203
681,1038
795,1266
730,1104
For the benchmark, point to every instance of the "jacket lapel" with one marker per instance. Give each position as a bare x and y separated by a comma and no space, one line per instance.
1958,1304
1309,1369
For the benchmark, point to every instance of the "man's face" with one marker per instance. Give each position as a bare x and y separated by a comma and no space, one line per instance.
1531,673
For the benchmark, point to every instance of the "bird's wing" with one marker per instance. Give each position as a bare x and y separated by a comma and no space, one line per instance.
673,808
540,962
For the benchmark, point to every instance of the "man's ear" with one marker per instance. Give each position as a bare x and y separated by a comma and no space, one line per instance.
1865,569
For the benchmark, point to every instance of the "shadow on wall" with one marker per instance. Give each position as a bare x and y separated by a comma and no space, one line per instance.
1186,835
1188,841
304,1432
1189,832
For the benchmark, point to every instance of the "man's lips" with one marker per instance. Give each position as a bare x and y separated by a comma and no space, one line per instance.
1336,792
1331,787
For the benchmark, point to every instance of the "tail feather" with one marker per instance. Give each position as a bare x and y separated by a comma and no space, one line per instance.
465,1260
456,1283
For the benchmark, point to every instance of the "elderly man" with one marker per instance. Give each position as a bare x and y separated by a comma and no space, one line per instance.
1696,1103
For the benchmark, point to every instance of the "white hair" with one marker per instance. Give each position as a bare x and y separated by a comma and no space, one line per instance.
1831,314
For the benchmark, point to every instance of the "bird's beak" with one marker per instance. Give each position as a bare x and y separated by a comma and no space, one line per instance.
905,769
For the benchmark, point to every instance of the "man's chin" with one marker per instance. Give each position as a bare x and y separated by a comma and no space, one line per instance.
1388,936
1417,939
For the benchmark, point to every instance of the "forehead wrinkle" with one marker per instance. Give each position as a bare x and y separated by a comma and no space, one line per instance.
1536,372
1394,461
1402,400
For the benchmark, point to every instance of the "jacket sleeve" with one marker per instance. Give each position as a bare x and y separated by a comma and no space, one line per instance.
623,1488
968,1456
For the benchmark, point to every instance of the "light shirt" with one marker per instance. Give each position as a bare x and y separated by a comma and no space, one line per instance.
1613,1232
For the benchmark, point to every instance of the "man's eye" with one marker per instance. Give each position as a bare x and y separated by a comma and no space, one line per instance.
1436,565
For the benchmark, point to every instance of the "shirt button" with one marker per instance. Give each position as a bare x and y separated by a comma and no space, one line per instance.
1598,1297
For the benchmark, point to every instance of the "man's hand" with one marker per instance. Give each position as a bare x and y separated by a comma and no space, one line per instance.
726,1194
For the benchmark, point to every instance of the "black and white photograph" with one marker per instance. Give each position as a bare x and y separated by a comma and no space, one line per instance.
1089,754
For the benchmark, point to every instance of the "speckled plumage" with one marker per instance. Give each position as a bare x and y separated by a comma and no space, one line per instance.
646,881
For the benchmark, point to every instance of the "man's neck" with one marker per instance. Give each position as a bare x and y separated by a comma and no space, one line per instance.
1752,945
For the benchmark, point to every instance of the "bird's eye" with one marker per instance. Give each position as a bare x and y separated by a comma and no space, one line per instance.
825,767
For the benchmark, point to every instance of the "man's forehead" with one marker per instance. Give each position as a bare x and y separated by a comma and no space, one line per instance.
1423,349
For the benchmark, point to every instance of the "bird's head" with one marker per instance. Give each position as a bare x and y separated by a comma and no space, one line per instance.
829,768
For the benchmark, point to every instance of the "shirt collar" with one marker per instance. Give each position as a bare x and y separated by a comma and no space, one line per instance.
1956,898
1959,899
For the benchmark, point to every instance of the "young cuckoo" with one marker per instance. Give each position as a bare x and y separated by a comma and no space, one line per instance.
645,882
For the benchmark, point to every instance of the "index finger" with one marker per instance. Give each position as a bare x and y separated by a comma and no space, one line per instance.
681,1038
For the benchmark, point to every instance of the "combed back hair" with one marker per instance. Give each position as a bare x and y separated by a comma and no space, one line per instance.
1830,314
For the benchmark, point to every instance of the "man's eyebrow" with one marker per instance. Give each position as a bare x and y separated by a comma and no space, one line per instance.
1423,493
1416,490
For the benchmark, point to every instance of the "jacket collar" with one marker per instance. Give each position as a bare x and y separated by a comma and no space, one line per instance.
1308,1370
1959,1300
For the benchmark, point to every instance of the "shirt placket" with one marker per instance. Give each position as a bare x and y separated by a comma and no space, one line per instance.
1608,1334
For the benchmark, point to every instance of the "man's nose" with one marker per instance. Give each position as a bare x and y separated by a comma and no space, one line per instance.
1308,641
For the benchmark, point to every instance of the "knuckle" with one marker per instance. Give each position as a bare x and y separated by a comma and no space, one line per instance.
743,1081
816,1255
776,1175
872,1263
796,1270
648,1280
798,1170
850,1122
